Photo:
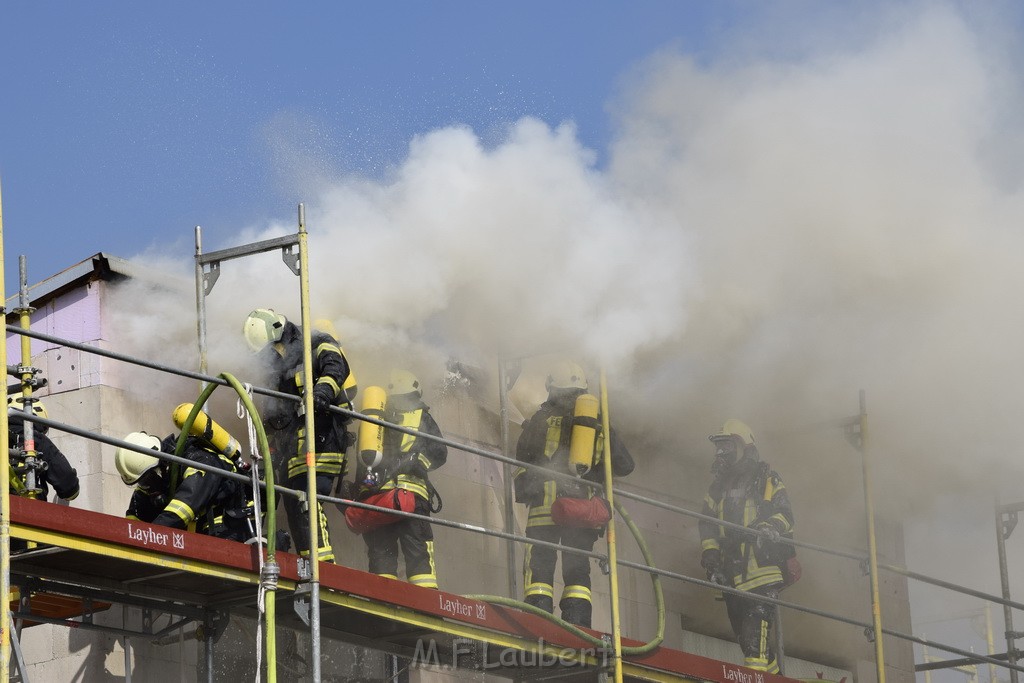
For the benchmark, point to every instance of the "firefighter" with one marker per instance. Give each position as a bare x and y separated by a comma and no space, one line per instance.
406,461
172,495
56,471
279,343
746,491
545,441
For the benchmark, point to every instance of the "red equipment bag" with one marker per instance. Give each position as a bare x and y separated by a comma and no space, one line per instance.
361,520
581,513
791,571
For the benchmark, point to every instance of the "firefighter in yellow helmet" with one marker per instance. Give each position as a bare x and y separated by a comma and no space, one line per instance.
279,344
746,491
174,495
55,471
545,441
406,461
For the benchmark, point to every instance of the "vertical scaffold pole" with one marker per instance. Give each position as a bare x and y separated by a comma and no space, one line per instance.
5,495
876,609
310,441
201,307
1004,581
509,509
613,574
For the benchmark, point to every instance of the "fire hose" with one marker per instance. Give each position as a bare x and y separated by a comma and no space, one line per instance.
659,598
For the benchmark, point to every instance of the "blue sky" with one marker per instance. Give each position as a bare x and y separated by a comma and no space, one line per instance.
124,124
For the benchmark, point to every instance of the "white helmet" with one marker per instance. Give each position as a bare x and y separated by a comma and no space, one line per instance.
16,404
404,382
734,428
131,465
262,327
566,375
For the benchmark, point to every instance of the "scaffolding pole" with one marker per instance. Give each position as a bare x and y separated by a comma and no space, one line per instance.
311,500
1002,533
5,495
613,573
506,447
876,609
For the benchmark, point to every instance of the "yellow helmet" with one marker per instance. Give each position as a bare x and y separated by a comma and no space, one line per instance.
566,375
734,427
16,404
262,327
404,382
131,465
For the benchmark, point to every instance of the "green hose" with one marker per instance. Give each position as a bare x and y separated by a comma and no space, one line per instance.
659,598
271,511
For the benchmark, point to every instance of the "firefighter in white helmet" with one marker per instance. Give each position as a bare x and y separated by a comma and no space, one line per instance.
279,343
545,441
56,472
746,491
174,495
406,462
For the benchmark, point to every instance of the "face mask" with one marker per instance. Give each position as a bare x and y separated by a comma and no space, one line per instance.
725,456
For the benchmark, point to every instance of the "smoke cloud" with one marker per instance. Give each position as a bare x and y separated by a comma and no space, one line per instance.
769,237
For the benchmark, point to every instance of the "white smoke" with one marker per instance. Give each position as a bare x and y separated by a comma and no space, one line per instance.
768,238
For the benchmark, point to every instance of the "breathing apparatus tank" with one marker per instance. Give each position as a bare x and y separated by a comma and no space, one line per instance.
371,436
584,434
208,430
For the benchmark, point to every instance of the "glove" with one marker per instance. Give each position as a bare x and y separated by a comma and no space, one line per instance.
323,398
766,534
411,466
711,560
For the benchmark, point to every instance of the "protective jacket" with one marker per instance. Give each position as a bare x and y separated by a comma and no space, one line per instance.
332,379
58,472
545,441
194,499
407,459
751,494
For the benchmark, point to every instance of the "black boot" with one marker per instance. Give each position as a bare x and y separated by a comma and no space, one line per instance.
544,602
576,611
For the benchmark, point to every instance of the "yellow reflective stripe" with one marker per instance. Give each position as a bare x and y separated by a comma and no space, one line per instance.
329,347
540,589
423,581
389,576
409,420
414,484
423,460
782,519
553,437
329,382
709,544
581,592
181,510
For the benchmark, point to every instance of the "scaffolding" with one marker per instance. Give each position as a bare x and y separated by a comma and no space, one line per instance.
200,580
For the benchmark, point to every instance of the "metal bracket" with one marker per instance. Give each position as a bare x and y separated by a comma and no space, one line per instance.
210,277
301,602
291,259
304,568
869,633
1008,523
852,433
865,566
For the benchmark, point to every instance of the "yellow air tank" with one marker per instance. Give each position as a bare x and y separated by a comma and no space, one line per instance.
371,436
584,434
208,430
